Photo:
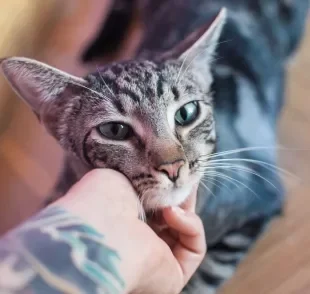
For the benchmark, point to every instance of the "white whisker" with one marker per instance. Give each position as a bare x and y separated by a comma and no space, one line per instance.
189,64
104,82
236,168
221,175
213,179
266,165
204,185
213,182
239,182
235,151
179,73
89,89
141,211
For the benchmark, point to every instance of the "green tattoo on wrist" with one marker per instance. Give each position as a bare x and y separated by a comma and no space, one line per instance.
56,252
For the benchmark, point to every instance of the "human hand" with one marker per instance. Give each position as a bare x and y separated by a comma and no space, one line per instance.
150,263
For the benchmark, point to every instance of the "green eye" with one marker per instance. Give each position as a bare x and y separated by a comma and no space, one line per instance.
115,131
187,114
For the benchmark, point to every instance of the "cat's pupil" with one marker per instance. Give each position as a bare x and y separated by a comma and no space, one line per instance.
184,113
116,128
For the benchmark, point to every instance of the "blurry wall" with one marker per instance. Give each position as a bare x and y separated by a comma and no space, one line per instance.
55,32
25,27
22,23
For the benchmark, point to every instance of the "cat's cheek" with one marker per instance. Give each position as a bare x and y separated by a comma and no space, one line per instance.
184,175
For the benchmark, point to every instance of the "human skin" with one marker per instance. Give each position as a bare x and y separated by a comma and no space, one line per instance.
135,258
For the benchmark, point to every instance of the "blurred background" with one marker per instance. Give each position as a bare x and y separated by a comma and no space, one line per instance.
57,32
52,31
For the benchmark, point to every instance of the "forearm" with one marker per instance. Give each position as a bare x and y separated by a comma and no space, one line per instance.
56,252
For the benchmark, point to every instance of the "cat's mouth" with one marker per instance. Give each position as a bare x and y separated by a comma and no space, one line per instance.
158,199
165,193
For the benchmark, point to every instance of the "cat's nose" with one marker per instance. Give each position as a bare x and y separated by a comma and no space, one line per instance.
172,169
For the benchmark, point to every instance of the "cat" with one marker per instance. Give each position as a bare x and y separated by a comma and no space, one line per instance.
203,94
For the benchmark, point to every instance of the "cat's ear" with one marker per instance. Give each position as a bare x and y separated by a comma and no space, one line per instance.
201,44
35,82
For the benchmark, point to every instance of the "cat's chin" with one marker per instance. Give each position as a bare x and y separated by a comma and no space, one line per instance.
162,198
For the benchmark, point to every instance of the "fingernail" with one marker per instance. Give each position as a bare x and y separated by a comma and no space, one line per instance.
178,210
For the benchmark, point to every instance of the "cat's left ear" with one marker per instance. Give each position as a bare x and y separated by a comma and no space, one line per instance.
35,82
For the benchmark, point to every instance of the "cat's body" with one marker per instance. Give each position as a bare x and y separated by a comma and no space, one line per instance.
239,197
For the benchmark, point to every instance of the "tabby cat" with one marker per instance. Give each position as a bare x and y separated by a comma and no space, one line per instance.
196,104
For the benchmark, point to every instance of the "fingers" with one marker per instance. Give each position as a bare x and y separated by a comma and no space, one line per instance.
191,246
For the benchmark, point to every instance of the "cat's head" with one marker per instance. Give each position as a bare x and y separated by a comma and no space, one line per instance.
150,120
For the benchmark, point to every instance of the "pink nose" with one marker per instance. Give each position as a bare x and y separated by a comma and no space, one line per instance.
172,169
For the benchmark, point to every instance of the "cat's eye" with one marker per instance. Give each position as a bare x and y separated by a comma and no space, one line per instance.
187,113
115,131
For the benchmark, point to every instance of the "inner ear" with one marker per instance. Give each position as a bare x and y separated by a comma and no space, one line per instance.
35,82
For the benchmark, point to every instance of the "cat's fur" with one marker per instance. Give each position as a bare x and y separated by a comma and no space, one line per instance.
249,77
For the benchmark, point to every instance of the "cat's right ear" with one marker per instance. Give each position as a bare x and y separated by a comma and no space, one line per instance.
35,82
199,47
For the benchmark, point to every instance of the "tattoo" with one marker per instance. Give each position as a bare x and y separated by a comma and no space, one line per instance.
56,252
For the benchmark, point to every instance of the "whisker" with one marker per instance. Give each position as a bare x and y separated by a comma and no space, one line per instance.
89,89
236,151
266,165
158,203
213,182
239,150
104,82
242,184
213,179
141,211
179,73
189,64
236,168
145,200
221,175
204,185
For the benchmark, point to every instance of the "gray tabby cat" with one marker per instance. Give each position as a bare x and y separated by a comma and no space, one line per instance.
153,119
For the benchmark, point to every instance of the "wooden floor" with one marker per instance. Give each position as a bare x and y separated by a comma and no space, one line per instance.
279,263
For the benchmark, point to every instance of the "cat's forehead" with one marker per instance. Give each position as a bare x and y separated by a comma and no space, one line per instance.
140,70
147,79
